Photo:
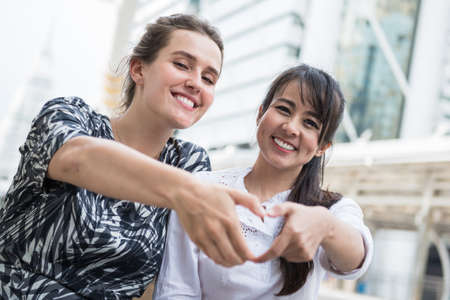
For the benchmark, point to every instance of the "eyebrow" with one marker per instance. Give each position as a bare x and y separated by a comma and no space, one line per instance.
293,105
194,59
288,102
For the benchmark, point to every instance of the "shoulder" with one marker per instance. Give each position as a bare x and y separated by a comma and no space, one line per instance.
186,148
186,155
70,111
346,206
72,106
344,203
67,103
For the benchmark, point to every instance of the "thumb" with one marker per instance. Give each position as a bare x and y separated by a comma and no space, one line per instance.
283,209
248,200
279,245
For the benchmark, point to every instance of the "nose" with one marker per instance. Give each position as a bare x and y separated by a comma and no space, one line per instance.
193,83
291,127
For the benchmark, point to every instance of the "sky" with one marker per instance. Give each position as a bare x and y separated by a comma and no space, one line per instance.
79,34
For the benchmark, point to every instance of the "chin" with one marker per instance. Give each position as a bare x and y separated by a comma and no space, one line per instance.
183,125
284,166
183,122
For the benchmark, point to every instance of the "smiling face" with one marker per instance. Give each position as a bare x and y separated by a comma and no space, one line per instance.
288,131
177,88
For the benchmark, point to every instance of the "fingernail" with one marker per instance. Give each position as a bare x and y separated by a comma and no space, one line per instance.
274,211
262,211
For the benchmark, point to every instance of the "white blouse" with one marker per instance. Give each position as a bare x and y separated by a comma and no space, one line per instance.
187,273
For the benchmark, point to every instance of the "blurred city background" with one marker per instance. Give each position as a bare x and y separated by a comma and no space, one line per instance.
392,58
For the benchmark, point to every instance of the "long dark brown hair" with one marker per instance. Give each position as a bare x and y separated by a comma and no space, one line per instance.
323,93
157,36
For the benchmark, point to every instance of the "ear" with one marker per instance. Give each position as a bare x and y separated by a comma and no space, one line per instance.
322,150
260,114
136,71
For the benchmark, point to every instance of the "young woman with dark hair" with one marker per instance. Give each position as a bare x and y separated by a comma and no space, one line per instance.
312,231
66,230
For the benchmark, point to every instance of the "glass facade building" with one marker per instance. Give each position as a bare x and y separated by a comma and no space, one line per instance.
375,100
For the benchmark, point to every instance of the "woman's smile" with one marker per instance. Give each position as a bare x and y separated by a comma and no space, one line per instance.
283,145
186,101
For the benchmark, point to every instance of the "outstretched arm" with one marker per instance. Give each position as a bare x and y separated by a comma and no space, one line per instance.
206,211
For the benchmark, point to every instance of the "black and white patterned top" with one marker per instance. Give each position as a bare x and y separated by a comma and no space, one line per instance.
59,241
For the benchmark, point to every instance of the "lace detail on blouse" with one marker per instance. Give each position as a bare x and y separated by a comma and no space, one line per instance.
259,234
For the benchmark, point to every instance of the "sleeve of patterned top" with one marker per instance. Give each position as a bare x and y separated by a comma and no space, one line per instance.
349,212
192,157
178,277
60,120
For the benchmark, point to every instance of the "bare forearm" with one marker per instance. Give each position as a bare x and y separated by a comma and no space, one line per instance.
116,171
343,245
206,211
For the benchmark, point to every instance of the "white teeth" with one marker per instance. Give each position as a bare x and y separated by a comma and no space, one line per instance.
283,144
185,100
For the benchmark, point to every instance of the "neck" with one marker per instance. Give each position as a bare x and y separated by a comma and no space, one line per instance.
265,181
142,133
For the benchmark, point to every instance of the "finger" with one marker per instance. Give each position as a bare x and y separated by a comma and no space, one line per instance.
283,209
225,246
210,250
248,200
239,244
277,249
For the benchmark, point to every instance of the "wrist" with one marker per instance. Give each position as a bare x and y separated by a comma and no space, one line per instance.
182,190
327,220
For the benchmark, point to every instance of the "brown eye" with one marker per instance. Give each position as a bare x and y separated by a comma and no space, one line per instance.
283,109
208,80
312,123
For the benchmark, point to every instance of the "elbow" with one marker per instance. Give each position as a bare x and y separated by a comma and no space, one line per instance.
359,255
362,253
350,257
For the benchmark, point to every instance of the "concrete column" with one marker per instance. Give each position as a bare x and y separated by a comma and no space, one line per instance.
421,107
322,31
